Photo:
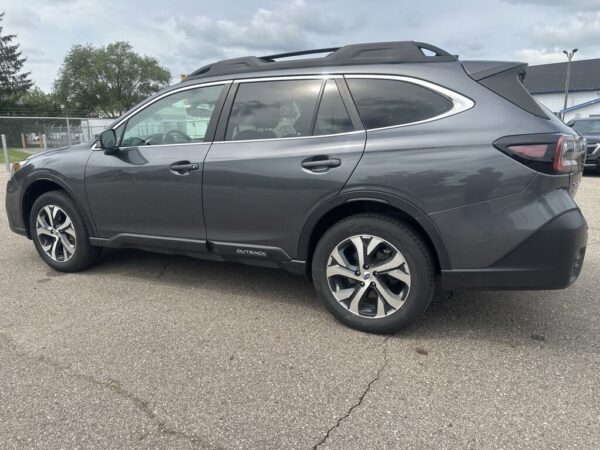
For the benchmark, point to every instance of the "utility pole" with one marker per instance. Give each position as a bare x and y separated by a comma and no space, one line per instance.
568,77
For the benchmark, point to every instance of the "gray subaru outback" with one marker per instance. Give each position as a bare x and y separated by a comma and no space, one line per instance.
383,171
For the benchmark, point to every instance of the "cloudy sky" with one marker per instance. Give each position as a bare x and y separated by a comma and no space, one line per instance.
187,34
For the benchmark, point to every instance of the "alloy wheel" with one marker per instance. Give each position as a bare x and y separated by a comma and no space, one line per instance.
56,233
368,276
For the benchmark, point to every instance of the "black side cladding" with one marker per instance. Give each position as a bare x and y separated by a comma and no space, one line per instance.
505,79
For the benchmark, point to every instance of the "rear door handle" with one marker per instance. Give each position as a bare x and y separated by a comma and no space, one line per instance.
319,165
184,167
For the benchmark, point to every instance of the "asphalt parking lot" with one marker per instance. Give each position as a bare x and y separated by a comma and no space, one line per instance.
153,351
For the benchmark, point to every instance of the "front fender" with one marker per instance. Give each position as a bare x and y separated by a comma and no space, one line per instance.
47,175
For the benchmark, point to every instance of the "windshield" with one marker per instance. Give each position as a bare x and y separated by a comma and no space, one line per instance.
587,126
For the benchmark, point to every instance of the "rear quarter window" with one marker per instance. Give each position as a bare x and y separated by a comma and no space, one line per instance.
385,103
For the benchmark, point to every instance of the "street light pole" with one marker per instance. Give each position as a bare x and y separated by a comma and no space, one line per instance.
568,77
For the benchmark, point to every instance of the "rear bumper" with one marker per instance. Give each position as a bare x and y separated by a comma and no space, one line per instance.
550,259
592,162
13,207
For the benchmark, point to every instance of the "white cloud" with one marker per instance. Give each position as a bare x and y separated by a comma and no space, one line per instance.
201,39
466,47
581,29
288,27
572,5
193,33
537,56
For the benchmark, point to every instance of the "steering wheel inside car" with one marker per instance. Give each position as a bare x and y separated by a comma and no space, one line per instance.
176,137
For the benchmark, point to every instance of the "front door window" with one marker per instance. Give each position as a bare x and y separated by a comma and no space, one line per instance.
179,118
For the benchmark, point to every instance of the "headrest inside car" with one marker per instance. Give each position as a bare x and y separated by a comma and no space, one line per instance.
265,116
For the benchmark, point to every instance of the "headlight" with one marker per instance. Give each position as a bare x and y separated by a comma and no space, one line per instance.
16,167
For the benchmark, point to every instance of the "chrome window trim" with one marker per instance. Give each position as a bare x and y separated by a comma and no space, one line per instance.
95,147
321,77
460,102
168,145
291,137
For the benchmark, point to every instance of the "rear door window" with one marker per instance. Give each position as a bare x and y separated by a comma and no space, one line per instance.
332,117
384,103
273,109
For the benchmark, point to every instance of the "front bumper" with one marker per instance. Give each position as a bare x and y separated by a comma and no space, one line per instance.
593,155
551,258
13,207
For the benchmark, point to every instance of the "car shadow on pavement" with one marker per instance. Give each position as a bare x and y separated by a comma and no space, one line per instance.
187,272
514,318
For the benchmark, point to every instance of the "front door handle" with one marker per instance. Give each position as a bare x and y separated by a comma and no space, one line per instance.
184,167
321,164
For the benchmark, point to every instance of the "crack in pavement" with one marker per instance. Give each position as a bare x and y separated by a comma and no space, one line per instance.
361,398
117,388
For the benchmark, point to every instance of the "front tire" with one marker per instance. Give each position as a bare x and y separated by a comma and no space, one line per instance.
59,233
374,273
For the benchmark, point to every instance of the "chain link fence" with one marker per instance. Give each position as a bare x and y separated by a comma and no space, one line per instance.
23,136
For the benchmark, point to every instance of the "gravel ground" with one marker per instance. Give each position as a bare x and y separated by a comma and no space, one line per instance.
153,351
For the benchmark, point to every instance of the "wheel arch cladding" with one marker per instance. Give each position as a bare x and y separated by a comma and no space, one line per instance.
39,187
320,223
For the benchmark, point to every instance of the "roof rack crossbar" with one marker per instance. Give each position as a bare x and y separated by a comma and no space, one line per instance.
300,53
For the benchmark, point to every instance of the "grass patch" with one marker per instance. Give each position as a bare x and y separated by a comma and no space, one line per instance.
14,155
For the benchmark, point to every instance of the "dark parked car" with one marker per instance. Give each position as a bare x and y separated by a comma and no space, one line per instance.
590,129
382,170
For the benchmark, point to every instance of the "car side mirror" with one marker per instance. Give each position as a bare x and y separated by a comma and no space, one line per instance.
108,141
570,123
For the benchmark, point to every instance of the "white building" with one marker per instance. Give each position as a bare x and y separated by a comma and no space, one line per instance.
93,127
546,83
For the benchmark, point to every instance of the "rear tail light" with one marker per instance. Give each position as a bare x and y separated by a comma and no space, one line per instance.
548,153
564,148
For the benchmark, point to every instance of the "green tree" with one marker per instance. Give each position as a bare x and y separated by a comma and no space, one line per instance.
13,82
107,80
36,102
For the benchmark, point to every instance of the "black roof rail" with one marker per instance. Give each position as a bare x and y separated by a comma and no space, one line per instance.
372,53
300,53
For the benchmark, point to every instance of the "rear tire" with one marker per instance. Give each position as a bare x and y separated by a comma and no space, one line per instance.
59,233
364,298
